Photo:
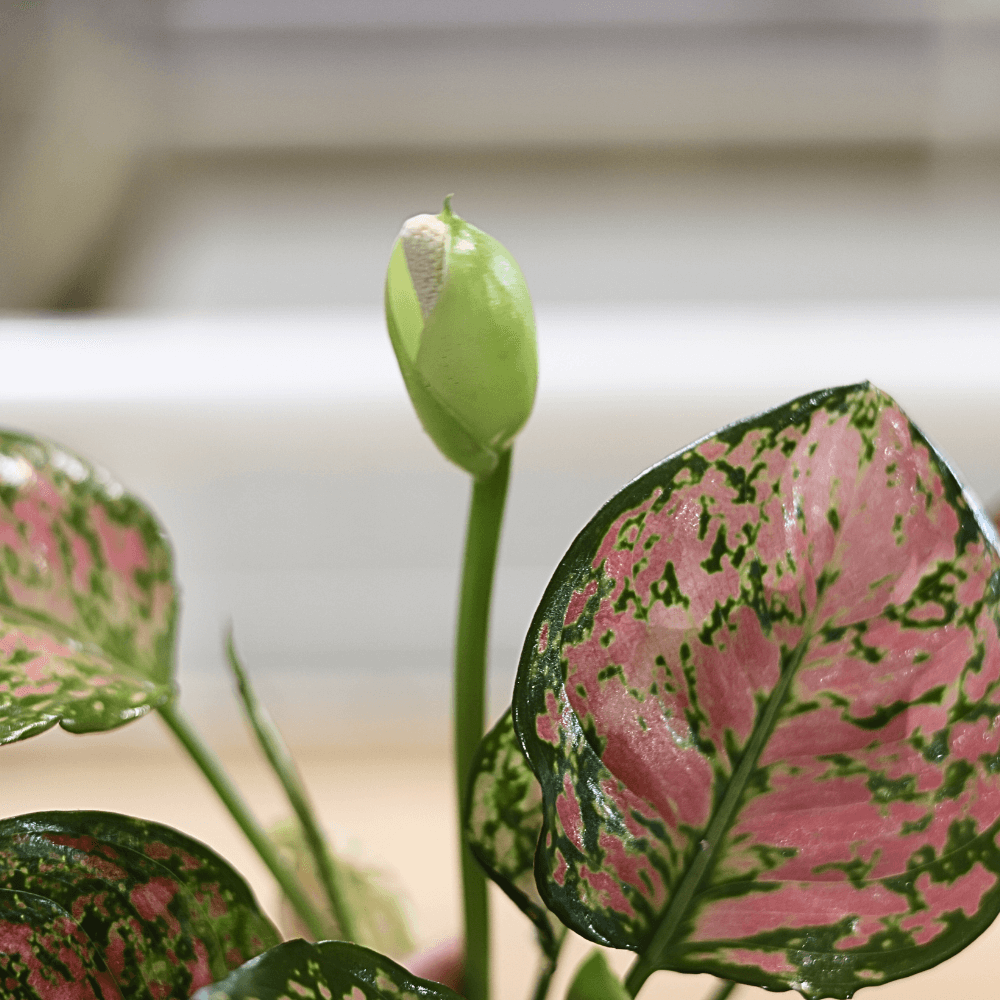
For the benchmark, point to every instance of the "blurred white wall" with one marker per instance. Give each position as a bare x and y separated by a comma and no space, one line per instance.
311,230
448,73
308,508
93,91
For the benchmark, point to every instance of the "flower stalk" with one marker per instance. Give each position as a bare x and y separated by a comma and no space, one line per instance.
482,540
461,323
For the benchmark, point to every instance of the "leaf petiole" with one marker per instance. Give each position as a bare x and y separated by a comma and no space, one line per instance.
211,767
723,990
547,971
276,750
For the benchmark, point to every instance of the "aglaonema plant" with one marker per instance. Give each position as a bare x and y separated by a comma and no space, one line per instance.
88,599
753,733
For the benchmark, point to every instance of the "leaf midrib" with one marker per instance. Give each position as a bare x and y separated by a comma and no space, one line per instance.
650,959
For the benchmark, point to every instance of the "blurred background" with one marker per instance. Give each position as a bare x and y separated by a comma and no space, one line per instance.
717,205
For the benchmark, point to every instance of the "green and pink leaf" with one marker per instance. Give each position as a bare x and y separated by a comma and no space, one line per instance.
119,906
87,598
760,695
503,820
323,971
45,954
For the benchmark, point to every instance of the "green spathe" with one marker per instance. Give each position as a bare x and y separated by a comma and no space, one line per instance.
470,367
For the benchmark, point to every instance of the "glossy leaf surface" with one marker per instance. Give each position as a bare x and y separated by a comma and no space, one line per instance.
760,694
329,969
87,599
45,954
503,819
120,907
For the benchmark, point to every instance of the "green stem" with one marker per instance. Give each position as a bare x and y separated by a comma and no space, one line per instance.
247,822
482,540
276,750
550,962
544,980
723,990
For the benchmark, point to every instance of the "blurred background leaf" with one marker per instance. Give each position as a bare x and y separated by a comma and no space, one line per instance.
372,897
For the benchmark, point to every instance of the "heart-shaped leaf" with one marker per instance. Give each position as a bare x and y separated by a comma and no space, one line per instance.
120,906
503,818
87,598
328,969
760,695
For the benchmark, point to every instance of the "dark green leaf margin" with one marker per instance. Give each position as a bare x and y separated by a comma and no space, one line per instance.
503,819
328,970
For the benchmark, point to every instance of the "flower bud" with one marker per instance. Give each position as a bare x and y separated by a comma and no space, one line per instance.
462,327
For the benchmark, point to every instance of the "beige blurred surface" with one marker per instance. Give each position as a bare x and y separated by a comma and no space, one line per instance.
389,806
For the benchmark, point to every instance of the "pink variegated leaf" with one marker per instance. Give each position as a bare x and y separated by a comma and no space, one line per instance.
98,905
46,955
761,697
87,597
